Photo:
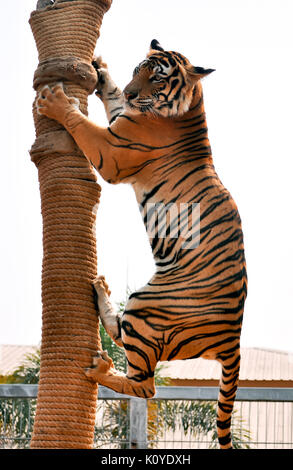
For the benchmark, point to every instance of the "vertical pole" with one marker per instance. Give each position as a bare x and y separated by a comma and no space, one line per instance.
138,423
65,33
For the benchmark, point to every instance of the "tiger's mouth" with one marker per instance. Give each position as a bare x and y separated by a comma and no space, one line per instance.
141,105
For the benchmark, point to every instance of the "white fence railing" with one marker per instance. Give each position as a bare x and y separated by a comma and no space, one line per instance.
177,417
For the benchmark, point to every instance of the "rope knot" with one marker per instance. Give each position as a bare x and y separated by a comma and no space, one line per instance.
69,69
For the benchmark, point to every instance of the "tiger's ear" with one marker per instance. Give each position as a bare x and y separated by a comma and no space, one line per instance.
198,72
156,46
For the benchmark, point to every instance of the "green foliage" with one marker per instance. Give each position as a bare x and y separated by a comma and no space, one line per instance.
16,421
26,373
114,424
197,420
191,416
17,415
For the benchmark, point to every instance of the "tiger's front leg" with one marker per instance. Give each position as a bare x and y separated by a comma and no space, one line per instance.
92,139
108,91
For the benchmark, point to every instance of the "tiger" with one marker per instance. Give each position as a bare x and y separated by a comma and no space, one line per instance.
157,141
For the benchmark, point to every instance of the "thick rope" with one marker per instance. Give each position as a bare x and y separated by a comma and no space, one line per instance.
66,35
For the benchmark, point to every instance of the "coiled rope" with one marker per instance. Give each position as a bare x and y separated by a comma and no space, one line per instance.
66,33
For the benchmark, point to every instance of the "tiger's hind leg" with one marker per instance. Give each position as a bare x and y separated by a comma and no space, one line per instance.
228,388
142,353
110,319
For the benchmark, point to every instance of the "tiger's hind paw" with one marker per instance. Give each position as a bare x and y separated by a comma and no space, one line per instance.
101,286
101,365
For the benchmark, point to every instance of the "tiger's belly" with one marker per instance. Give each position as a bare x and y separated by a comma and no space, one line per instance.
181,324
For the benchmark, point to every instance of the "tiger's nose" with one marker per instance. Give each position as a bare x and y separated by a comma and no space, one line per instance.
130,95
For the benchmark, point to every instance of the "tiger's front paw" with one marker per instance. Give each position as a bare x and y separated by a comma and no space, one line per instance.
103,75
99,64
105,86
53,103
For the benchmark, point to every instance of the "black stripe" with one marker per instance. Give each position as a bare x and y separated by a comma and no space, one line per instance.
116,135
151,193
128,118
113,119
224,424
101,162
225,439
191,172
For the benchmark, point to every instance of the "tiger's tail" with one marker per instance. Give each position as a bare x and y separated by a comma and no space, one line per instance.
227,394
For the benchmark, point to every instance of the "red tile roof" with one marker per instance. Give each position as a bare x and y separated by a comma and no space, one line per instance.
12,356
256,364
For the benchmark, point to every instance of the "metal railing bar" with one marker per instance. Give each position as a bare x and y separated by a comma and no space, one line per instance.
166,393
18,391
211,393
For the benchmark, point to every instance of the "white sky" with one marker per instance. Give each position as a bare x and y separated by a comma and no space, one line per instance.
249,104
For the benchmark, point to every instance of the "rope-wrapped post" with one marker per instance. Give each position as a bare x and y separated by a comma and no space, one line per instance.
66,33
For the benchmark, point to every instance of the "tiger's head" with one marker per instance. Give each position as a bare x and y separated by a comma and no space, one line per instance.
163,84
